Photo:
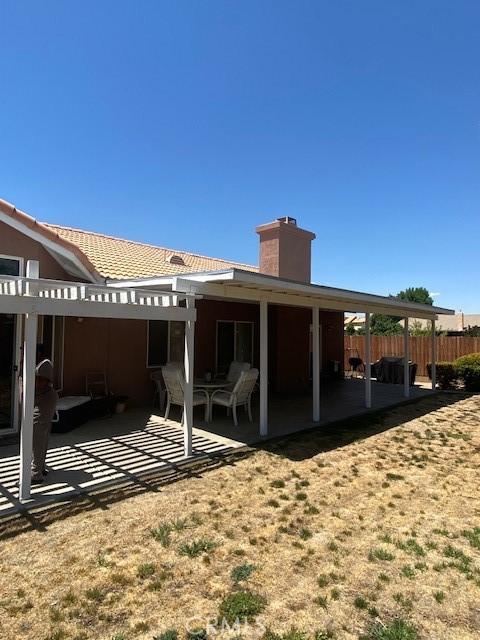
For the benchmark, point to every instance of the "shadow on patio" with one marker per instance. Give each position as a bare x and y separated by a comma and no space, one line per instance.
108,460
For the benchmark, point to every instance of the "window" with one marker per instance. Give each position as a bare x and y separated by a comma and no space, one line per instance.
10,266
234,342
165,342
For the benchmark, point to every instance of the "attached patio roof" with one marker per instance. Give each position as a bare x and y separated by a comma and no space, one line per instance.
238,284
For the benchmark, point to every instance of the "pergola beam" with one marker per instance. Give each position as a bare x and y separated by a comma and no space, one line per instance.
22,304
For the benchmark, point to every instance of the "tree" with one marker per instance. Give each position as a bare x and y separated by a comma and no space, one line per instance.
350,330
382,325
416,294
472,332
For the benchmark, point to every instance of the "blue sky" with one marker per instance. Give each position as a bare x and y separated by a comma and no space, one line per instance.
186,124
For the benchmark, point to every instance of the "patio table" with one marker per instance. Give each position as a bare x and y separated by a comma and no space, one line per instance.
213,385
210,387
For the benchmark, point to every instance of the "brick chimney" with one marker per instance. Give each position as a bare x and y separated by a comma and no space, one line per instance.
285,250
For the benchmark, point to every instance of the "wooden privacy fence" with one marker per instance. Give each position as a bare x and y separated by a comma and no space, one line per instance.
448,348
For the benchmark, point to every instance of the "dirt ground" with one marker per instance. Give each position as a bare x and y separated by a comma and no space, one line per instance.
368,521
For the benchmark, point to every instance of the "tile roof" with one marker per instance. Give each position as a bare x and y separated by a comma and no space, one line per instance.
117,258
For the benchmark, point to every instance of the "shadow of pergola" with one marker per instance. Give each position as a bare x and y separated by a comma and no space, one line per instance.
295,447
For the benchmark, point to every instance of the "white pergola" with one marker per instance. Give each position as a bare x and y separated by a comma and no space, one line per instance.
246,286
32,296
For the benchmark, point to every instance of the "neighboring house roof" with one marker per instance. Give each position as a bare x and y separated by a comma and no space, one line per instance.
354,320
114,258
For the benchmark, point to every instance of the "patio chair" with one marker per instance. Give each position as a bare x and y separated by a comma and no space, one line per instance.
160,389
240,396
234,372
96,384
175,385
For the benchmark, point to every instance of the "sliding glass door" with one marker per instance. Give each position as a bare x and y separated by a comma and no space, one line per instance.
234,342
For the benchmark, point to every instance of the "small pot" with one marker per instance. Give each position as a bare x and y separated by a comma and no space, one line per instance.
120,407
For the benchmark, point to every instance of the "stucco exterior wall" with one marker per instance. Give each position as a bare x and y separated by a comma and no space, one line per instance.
289,353
14,243
119,347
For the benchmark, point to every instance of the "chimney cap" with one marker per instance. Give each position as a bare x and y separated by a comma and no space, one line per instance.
288,220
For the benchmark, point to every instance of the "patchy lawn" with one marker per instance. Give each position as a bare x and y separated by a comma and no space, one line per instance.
376,523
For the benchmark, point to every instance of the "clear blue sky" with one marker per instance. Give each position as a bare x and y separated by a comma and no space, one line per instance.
186,124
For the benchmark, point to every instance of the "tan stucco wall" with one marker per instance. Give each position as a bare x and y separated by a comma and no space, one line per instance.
118,347
14,243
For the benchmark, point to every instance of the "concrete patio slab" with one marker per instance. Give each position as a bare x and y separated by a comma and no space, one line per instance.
135,444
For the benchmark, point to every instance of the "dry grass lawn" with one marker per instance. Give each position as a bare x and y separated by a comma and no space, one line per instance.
378,520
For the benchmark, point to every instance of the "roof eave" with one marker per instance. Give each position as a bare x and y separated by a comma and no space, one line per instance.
224,276
51,241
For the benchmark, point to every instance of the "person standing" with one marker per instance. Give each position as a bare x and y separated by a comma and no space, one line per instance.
46,399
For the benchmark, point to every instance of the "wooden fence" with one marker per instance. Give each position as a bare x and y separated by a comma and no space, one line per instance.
448,348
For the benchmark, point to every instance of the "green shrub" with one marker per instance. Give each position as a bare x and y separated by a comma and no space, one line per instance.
242,572
446,374
397,630
468,369
169,634
241,604
197,634
197,547
146,570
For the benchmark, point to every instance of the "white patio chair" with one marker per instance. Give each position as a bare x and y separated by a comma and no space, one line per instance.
241,395
175,385
234,372
160,390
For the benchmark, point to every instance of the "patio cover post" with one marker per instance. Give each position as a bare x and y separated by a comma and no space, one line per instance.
316,364
406,360
263,367
28,392
368,363
434,356
188,390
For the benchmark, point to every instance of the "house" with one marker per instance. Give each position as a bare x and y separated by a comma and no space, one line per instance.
357,321
457,324
126,308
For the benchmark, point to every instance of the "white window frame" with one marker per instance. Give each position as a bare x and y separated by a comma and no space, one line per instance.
19,259
234,322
